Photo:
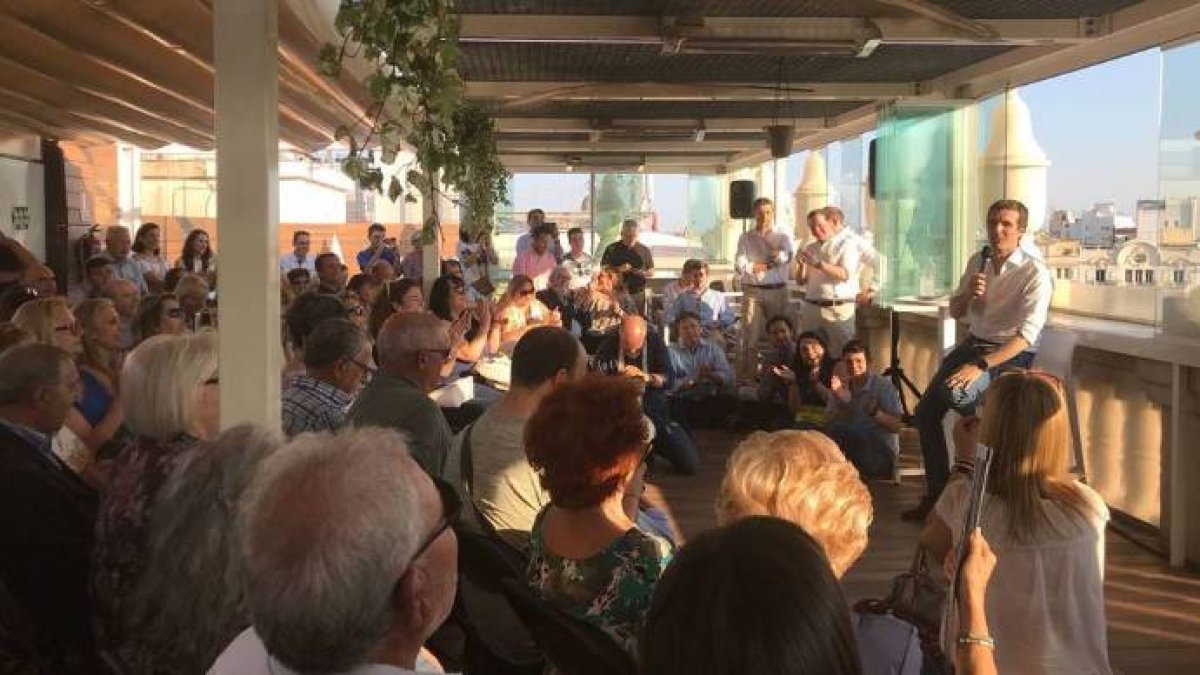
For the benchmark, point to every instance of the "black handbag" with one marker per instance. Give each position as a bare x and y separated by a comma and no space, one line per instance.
919,599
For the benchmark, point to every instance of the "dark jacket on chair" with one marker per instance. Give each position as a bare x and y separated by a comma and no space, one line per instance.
47,514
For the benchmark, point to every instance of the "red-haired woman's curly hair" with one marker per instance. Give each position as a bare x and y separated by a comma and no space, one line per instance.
585,438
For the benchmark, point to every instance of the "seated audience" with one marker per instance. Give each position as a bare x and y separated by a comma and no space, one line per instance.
12,335
587,441
192,292
537,261
198,257
383,272
97,272
577,260
559,297
359,314
402,295
51,322
1046,603
802,477
98,414
159,314
520,311
638,352
364,287
811,380
147,251
480,337
477,255
337,362
756,596
703,381
412,265
172,279
599,309
192,543
864,415
331,274
452,267
13,297
118,247
502,484
299,258
47,513
306,312
696,297
170,396
770,409
412,349
124,295
348,556
299,280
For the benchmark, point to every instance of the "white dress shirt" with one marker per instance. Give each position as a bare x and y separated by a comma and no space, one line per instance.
289,262
1017,300
843,249
247,655
753,247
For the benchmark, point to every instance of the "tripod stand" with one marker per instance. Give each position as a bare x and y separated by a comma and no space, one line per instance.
895,372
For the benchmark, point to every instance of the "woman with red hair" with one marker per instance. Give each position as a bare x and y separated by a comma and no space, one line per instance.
587,441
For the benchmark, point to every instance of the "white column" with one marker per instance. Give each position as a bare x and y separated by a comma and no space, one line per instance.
247,126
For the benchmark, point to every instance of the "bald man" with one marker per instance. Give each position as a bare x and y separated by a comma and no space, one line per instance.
637,351
412,349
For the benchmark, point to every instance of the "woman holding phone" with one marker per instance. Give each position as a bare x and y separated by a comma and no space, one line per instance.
1045,606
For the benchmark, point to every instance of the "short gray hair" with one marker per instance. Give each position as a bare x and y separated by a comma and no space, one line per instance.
331,341
330,524
26,368
159,381
193,544
403,334
191,284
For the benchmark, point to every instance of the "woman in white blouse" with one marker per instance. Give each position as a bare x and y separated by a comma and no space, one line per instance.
1045,605
198,256
147,251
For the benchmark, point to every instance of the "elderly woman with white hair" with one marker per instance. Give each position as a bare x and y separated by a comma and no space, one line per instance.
193,544
169,393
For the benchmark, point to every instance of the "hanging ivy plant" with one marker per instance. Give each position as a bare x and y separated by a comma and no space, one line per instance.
418,102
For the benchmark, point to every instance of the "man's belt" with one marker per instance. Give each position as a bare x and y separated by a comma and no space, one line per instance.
766,287
828,303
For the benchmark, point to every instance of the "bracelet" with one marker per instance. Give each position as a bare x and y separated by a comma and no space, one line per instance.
967,639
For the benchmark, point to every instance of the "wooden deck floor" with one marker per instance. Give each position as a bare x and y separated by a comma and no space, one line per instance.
1153,611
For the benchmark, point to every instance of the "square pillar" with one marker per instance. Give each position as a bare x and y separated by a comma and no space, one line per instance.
247,127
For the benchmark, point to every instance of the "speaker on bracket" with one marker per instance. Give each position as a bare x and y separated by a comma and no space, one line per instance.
741,198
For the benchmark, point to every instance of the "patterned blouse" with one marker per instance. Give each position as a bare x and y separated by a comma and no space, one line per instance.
611,589
122,526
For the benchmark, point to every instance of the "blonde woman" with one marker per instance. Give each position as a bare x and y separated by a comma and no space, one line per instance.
802,477
98,414
51,322
1046,607
169,392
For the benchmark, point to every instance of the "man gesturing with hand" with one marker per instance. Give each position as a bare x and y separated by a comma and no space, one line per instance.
1005,298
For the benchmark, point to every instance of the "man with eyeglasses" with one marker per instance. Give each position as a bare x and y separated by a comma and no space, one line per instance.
299,257
350,561
412,350
337,363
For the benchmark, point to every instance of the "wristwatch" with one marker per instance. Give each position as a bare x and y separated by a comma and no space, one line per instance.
981,363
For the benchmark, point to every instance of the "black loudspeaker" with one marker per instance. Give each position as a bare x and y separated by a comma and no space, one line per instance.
872,175
54,185
741,199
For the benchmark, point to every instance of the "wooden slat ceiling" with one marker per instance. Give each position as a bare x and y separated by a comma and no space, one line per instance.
141,71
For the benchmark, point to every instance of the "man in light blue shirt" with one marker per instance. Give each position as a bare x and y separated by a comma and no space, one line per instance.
703,381
708,304
117,244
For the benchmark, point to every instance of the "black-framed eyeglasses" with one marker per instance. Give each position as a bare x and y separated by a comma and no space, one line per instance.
367,367
442,354
451,508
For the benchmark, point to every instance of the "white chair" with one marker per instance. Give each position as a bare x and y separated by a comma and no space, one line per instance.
1056,349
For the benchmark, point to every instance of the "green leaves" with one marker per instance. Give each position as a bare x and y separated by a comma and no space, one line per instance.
420,105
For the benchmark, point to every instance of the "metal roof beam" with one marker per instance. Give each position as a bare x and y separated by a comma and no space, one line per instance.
516,146
557,125
642,30
527,93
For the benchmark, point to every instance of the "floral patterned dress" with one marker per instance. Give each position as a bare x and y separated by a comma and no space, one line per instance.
122,527
611,589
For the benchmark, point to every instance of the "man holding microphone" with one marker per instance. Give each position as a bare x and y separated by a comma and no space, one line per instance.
1004,295
763,259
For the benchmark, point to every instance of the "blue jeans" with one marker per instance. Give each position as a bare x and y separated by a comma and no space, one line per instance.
940,399
867,449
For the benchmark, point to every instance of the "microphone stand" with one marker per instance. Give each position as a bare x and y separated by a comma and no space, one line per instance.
895,371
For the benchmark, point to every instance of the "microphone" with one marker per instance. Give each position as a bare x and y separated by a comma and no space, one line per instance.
985,254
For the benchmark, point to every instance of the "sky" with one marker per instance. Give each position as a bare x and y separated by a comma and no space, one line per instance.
1099,127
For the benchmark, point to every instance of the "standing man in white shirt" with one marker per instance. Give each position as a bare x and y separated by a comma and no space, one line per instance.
1006,300
299,257
763,259
830,273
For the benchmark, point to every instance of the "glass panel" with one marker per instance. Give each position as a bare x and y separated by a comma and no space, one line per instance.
919,176
1177,226
705,210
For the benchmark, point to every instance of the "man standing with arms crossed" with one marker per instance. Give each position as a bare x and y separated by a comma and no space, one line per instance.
763,258
1004,295
830,272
